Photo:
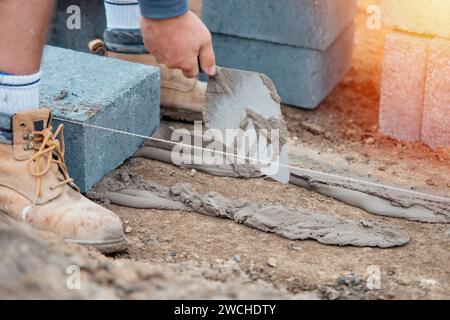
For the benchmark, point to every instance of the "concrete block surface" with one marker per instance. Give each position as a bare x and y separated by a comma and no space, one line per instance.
402,87
103,92
436,116
303,77
304,23
429,17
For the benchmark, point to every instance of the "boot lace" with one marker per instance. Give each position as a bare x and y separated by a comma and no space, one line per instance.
51,149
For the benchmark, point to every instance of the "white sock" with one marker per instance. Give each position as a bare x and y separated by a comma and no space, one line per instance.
18,93
122,14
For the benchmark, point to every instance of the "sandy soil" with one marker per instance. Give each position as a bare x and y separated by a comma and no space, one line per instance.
343,129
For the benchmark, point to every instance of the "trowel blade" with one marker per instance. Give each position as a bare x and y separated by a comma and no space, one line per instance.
237,99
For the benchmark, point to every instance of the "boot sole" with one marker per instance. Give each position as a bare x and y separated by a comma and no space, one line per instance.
106,247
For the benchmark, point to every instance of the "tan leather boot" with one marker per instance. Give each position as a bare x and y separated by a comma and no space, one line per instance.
181,98
35,187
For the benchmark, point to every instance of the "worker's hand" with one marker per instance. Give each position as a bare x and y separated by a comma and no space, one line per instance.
180,43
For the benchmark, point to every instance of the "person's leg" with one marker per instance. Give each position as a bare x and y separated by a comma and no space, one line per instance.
35,185
122,14
181,98
123,30
23,31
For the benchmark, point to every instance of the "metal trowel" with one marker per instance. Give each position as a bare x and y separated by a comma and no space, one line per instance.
248,101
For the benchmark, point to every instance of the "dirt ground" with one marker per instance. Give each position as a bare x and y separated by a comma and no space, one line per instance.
342,130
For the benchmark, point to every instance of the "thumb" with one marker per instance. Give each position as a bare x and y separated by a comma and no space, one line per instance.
208,59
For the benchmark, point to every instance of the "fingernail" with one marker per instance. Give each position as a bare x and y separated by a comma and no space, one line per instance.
212,71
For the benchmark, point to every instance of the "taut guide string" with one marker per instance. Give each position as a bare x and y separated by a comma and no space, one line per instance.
374,184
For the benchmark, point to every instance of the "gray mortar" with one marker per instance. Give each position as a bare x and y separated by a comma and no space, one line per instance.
273,91
223,82
223,170
162,151
272,123
376,198
128,190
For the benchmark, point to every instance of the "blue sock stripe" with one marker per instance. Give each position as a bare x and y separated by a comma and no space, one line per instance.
121,4
19,85
5,74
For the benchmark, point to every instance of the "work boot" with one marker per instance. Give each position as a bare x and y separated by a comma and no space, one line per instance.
181,98
35,185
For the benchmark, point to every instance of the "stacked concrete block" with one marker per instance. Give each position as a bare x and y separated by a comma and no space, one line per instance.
65,32
436,121
300,23
304,46
303,77
106,105
415,95
427,17
402,96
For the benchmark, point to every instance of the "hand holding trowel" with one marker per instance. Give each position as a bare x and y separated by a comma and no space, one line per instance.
234,100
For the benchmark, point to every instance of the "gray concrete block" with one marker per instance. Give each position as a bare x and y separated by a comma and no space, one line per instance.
103,92
305,23
436,109
303,77
93,23
403,85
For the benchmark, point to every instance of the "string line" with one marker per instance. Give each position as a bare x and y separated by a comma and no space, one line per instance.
330,175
